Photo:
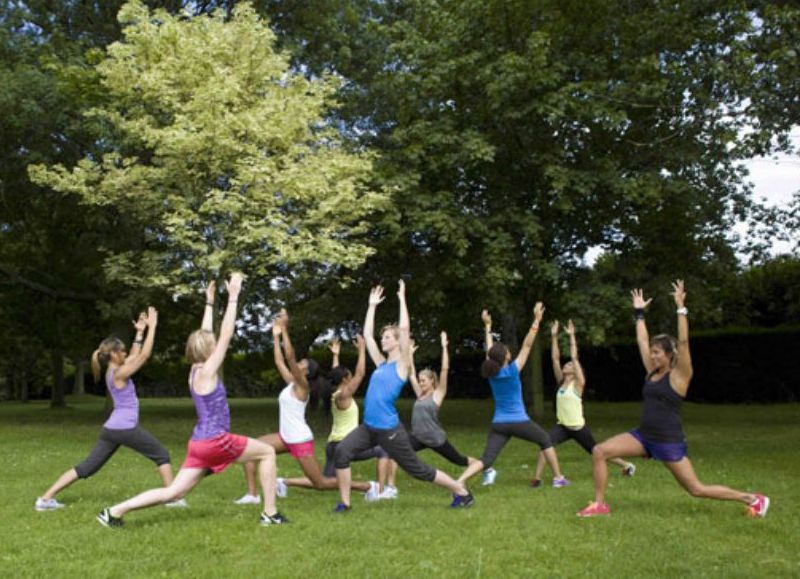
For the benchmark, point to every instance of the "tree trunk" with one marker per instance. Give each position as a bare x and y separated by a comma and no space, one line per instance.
57,360
537,380
24,391
80,385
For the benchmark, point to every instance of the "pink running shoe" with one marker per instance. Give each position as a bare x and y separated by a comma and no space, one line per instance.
595,510
758,508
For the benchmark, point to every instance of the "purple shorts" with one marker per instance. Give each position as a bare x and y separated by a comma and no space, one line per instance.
663,451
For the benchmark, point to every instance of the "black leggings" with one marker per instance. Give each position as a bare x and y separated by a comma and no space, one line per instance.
110,440
330,457
559,434
445,449
502,432
394,441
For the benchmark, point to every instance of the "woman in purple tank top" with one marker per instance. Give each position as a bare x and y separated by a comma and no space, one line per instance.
122,427
660,434
212,446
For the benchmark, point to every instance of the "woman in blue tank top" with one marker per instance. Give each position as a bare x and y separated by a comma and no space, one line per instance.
510,417
381,423
660,434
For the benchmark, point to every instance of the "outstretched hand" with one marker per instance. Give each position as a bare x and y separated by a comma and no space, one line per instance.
443,337
401,290
152,317
360,343
486,318
211,292
678,292
376,295
538,312
335,346
554,329
141,323
570,329
638,299
234,285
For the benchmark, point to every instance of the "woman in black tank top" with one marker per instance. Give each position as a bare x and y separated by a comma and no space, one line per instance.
660,434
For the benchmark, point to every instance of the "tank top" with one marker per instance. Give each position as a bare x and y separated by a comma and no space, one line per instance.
126,404
425,424
569,407
213,413
507,392
384,388
292,417
661,412
344,421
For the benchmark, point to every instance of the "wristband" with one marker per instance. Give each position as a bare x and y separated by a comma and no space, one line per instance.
638,313
138,342
210,304
684,311
535,326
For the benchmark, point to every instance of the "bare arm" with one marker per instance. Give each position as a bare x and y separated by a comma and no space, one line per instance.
580,379
412,373
527,344
206,377
277,353
487,330
141,325
347,391
642,338
134,362
375,298
441,389
555,352
335,347
300,380
208,309
405,333
682,373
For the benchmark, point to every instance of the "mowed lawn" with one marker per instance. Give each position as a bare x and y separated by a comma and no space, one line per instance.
656,529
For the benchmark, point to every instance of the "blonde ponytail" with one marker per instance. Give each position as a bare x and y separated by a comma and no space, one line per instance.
102,355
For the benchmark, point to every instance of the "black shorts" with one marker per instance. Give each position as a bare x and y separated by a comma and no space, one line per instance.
110,440
502,432
583,436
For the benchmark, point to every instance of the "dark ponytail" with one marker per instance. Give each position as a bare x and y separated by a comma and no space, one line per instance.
494,361
316,383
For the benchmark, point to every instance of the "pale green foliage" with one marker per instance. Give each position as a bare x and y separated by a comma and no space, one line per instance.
221,151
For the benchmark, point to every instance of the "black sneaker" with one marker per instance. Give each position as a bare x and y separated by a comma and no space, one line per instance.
276,519
341,508
106,519
462,501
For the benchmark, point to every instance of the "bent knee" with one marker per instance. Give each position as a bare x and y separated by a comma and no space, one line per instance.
599,452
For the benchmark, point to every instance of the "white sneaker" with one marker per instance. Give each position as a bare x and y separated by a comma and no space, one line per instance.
248,499
179,503
489,476
373,494
629,470
282,489
389,492
47,504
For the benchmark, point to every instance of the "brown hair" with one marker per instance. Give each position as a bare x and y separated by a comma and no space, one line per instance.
495,358
668,344
102,355
199,346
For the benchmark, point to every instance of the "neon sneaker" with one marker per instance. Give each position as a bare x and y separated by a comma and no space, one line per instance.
282,490
629,470
759,506
462,502
180,504
248,499
374,492
47,504
595,510
277,519
561,482
536,483
106,519
341,508
489,476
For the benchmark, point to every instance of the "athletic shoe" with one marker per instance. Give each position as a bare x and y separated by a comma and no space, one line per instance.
759,506
47,504
248,499
560,482
106,519
180,503
595,510
341,508
389,492
489,476
536,483
464,502
629,470
277,519
282,490
374,492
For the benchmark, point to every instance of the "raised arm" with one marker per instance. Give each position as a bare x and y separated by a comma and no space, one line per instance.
412,373
404,328
441,389
555,352
206,376
137,359
580,379
375,298
347,391
140,325
642,339
486,318
300,380
527,344
682,373
335,347
208,309
277,353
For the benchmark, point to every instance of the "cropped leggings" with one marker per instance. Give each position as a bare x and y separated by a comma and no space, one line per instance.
502,432
111,439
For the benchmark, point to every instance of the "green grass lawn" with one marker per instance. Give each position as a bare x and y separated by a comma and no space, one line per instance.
512,531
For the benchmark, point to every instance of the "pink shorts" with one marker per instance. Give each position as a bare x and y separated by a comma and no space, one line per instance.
299,449
215,454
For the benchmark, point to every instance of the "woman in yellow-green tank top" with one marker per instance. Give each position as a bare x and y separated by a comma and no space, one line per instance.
569,404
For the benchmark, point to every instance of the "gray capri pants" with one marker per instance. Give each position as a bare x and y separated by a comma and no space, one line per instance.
330,457
110,440
394,441
502,432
